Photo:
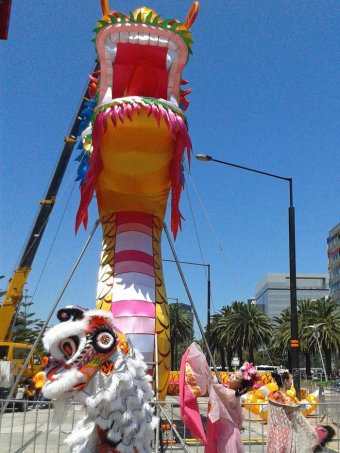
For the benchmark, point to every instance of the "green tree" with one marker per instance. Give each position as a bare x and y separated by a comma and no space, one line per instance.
252,327
325,314
219,340
181,332
243,326
26,326
282,329
307,342
282,334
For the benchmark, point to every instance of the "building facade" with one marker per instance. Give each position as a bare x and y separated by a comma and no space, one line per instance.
333,251
273,291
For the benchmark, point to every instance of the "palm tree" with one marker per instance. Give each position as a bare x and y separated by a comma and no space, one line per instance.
243,326
180,331
322,313
282,334
251,326
217,340
326,314
307,341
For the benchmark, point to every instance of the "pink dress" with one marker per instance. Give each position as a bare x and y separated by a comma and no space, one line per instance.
224,421
288,430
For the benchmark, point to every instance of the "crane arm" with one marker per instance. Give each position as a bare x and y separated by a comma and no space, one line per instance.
14,292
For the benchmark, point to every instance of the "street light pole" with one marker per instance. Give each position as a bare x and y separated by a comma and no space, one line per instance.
208,285
208,295
294,322
294,341
175,352
211,358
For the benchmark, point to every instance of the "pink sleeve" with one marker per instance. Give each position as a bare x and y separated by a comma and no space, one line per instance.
226,396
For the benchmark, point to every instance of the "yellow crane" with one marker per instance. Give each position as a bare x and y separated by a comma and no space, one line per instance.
10,351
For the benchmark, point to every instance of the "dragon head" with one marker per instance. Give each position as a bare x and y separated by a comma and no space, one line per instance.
143,55
134,148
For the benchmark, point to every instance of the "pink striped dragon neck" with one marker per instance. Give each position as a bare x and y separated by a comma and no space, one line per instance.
130,282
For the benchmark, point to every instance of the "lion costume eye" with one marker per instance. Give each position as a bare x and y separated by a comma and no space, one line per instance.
104,340
69,346
70,312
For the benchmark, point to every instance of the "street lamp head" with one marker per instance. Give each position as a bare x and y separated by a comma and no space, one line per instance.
203,157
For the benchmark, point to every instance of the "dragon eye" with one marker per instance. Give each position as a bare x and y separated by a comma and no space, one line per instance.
69,346
104,340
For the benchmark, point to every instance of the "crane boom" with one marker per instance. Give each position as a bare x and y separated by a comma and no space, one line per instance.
14,292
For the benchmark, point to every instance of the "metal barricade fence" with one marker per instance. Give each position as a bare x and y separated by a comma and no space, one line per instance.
28,427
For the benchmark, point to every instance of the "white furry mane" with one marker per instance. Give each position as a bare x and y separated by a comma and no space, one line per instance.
116,400
119,405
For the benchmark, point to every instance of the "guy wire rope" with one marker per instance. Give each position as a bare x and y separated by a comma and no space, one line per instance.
218,242
212,361
56,303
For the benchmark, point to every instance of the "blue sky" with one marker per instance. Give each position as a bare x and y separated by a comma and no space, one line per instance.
265,81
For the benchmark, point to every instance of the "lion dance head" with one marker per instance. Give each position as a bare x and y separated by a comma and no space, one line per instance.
93,363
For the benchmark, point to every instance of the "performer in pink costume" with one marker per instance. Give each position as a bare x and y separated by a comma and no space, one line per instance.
224,420
288,430
224,431
229,424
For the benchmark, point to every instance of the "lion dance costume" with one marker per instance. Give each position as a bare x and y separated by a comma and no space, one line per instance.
96,365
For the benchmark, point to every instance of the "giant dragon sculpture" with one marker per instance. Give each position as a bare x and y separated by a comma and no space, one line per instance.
134,136
132,157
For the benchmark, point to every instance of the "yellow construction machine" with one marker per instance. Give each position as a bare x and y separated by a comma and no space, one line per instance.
12,354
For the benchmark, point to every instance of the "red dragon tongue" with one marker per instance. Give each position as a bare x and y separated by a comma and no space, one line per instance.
143,80
140,71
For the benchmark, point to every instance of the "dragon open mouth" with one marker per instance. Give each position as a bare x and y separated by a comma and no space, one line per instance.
136,98
139,60
139,70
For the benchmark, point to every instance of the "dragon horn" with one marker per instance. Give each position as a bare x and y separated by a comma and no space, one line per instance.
105,7
192,14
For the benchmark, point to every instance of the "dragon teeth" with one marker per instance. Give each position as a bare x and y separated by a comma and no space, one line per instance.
170,58
133,38
163,42
141,38
173,100
153,40
111,51
124,36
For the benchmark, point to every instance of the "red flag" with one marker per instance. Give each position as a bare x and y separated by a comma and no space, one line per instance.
5,13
